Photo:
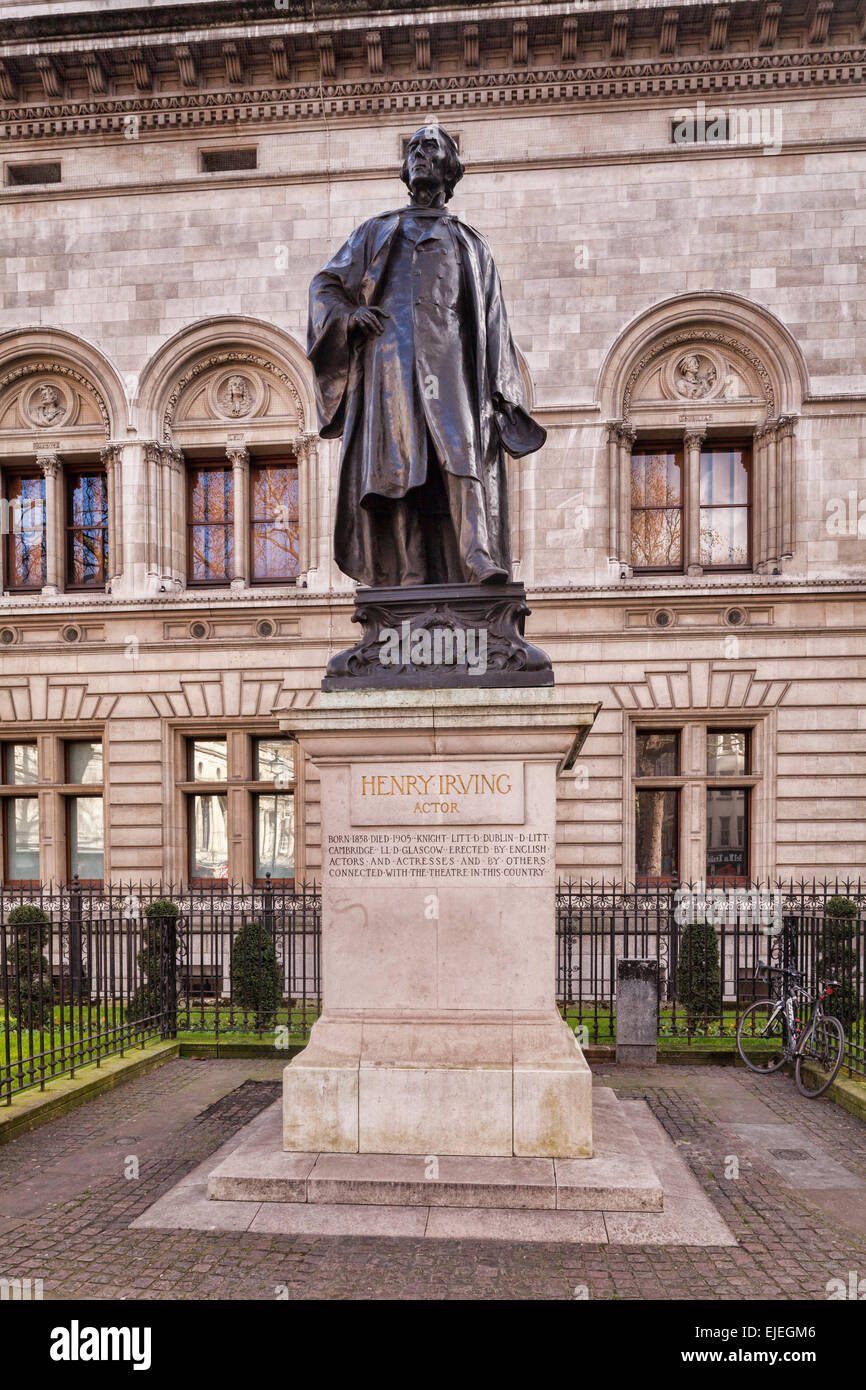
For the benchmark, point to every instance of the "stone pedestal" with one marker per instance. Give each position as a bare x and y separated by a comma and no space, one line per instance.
439,1032
637,1011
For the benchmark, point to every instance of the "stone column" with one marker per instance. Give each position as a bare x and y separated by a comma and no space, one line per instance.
48,460
759,485
110,457
627,435
239,458
613,487
787,484
693,439
308,503
773,546
176,522
152,509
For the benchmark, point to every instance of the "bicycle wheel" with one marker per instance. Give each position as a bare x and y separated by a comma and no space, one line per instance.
761,1030
823,1049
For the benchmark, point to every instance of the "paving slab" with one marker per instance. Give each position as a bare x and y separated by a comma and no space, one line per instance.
476,1223
313,1219
620,1176
689,1217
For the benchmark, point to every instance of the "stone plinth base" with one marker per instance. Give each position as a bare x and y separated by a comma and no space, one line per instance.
444,1084
621,1176
439,1031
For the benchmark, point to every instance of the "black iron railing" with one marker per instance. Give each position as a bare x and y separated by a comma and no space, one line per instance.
110,969
107,970
708,942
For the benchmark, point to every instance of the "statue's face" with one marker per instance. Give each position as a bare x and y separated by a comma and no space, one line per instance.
427,158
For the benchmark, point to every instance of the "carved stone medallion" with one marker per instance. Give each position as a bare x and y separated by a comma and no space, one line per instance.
46,404
235,396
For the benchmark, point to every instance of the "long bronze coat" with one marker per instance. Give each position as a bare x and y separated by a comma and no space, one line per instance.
374,391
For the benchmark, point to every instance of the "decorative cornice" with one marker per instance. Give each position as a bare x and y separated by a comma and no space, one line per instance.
665,77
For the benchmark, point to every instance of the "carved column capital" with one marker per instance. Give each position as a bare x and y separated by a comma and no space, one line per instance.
238,455
109,454
694,436
48,460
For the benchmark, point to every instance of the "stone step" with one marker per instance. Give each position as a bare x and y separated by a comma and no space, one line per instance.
619,1177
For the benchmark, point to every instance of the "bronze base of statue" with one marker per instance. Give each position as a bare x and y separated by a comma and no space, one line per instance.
432,636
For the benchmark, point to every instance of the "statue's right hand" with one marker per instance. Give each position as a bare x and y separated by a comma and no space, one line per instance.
368,320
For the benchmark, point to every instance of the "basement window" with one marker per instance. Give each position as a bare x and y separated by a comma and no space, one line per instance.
227,161
32,173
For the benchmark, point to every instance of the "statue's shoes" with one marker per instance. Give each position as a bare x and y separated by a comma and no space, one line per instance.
491,576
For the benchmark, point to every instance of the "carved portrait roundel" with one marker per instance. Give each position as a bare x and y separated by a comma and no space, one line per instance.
47,404
235,395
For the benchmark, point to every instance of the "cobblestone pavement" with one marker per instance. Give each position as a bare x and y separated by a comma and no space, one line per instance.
66,1203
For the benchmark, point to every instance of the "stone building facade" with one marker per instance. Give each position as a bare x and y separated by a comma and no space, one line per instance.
674,196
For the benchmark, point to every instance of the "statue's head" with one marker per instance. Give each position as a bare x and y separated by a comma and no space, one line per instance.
432,161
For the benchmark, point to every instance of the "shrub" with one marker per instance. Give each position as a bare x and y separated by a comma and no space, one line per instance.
837,960
255,974
30,994
699,976
146,1001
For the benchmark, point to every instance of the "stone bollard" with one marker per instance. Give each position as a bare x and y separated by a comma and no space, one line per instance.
637,1011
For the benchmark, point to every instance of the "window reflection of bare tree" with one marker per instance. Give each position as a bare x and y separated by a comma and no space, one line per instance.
656,756
656,502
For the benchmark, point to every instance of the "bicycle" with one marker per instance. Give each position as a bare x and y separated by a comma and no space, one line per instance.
817,1039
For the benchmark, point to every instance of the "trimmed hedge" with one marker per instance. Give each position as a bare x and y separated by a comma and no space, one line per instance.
146,1002
699,975
837,960
255,973
30,986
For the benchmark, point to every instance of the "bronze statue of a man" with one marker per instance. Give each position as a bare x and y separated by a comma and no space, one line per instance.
416,369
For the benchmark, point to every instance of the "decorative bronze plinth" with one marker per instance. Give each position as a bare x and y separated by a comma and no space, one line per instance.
430,636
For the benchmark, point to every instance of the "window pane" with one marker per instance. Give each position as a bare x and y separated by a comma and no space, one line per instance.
656,510
211,494
208,760
275,836
656,539
209,843
727,832
657,754
275,760
656,833
210,525
26,496
727,752
21,764
86,837
87,524
724,536
84,762
724,477
655,479
22,838
212,555
274,517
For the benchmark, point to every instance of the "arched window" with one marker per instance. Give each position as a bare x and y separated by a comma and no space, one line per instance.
60,495
233,470
704,393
